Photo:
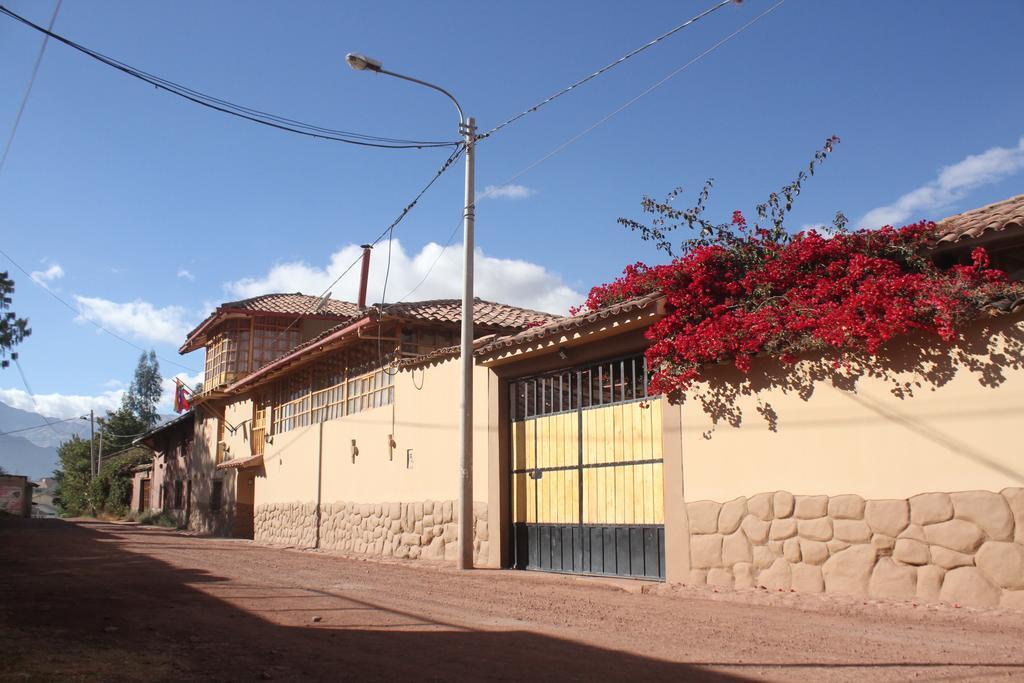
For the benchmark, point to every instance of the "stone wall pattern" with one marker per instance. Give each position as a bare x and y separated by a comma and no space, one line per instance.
965,547
427,530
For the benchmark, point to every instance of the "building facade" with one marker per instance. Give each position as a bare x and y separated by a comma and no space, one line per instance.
16,495
165,484
902,481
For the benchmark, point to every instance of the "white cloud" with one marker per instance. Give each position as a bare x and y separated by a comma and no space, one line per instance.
137,318
510,191
62,406
186,275
54,272
952,184
509,281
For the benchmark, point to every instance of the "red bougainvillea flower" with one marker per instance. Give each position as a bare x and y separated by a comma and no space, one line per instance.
847,292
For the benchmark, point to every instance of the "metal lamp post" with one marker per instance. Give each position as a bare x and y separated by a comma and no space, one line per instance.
467,129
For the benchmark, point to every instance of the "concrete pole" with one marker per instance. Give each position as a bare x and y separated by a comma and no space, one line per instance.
466,403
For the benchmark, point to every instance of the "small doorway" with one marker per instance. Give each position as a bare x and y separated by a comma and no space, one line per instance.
144,492
245,491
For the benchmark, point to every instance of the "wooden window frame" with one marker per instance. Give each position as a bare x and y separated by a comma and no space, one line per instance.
351,395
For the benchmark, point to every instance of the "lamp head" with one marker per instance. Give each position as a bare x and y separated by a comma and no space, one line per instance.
362,62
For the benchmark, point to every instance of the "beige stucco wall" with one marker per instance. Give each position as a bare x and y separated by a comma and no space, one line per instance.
907,478
424,417
954,428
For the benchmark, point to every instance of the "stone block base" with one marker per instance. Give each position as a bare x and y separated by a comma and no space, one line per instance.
427,529
965,548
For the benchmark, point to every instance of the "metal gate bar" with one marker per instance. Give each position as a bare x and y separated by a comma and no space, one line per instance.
544,539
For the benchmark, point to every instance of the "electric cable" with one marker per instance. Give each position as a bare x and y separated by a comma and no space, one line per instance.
605,68
390,231
593,126
452,158
28,89
42,426
24,380
232,109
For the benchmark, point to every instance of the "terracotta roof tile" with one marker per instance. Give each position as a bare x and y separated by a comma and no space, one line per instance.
568,324
485,313
298,304
489,316
971,224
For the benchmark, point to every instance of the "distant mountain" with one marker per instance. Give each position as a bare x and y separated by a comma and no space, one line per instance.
48,437
21,456
33,452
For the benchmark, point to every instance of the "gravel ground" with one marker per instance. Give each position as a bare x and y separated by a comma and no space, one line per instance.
93,601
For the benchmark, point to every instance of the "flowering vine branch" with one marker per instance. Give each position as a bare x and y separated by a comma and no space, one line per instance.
738,291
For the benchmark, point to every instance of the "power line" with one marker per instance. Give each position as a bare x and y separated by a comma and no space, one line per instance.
590,128
604,119
389,231
606,68
42,426
79,313
24,380
28,90
232,109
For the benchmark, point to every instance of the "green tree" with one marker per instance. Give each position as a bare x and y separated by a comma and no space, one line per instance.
110,490
145,390
72,495
13,329
120,428
113,486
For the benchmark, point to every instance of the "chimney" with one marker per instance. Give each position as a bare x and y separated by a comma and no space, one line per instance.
364,275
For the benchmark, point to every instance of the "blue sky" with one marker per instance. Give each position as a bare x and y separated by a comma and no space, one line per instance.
146,210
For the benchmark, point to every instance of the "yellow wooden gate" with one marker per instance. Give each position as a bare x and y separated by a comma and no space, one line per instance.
587,486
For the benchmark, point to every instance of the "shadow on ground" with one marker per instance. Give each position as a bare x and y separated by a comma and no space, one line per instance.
76,605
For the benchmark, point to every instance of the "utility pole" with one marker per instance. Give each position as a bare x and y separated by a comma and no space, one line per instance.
467,129
99,459
92,438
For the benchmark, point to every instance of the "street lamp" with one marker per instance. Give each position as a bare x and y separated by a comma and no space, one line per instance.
467,129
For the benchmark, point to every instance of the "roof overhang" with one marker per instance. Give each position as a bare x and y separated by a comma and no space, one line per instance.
614,320
992,238
183,421
241,463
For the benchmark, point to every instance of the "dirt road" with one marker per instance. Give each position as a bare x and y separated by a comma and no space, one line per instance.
84,601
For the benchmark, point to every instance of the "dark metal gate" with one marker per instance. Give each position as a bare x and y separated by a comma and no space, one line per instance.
587,488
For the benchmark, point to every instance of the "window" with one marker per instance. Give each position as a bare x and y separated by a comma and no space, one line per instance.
242,345
259,426
326,392
417,341
221,443
216,492
179,493
227,354
372,390
272,338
